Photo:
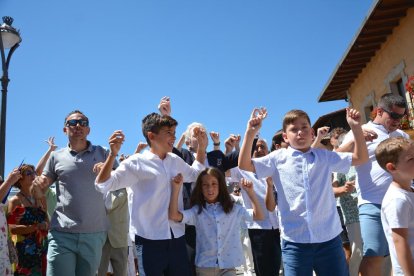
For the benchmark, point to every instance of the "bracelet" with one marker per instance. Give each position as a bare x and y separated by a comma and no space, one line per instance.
113,155
216,144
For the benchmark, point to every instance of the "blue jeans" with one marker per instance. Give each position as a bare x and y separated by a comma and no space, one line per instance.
325,258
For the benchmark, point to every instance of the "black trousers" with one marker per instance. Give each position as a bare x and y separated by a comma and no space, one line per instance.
266,251
164,257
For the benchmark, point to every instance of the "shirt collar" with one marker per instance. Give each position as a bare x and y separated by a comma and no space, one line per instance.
88,149
293,151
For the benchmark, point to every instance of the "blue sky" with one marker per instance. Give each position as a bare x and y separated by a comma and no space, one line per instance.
216,59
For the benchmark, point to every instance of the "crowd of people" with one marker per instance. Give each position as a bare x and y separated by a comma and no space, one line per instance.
329,202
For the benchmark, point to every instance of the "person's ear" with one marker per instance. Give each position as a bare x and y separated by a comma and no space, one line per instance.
151,135
390,167
64,130
284,135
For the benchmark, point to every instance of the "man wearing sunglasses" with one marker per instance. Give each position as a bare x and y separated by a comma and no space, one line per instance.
372,182
79,224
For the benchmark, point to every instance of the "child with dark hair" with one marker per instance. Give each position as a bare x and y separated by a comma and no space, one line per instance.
148,175
217,220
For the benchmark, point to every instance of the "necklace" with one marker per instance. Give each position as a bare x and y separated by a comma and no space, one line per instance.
29,199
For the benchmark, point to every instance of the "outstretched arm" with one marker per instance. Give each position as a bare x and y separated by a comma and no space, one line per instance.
42,162
165,106
247,185
360,153
12,178
215,136
173,212
253,126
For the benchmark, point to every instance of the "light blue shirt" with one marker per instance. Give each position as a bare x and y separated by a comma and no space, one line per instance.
218,235
307,206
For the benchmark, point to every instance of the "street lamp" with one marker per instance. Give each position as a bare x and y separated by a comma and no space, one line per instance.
9,39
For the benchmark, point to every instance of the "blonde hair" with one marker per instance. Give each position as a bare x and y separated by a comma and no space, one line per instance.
389,150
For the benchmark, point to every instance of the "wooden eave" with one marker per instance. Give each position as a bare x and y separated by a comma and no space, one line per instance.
384,16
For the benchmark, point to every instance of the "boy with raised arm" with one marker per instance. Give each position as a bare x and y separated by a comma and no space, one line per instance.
309,223
148,175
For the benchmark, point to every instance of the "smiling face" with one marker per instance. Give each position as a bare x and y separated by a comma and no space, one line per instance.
210,188
163,141
299,134
390,119
404,169
261,149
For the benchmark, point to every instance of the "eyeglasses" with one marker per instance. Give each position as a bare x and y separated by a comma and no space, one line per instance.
29,173
74,122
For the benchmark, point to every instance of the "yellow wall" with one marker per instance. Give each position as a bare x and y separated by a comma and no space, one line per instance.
398,47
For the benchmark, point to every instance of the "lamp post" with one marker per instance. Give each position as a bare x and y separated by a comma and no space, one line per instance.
9,39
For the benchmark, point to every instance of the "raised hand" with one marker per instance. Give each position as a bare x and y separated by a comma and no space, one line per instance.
51,142
256,119
322,131
369,134
97,167
115,141
215,136
14,176
140,147
177,180
246,185
353,117
201,137
165,106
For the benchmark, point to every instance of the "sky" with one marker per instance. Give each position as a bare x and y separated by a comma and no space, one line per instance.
215,59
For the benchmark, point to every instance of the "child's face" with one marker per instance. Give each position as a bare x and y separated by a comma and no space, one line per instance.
210,188
299,134
405,165
164,140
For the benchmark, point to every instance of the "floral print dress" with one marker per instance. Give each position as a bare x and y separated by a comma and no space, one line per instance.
5,266
32,247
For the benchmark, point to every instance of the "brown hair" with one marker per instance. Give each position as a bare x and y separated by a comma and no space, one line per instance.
292,116
224,198
154,122
389,150
23,169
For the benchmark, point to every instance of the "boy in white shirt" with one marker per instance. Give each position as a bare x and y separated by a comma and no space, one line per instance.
149,175
396,156
309,222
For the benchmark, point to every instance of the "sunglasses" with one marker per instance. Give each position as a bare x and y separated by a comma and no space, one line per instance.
394,115
81,122
29,173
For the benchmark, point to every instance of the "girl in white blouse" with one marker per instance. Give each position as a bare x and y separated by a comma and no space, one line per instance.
217,220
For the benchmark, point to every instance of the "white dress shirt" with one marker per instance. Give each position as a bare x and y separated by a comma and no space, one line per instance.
218,234
307,206
149,178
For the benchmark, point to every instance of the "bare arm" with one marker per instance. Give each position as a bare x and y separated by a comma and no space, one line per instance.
115,143
247,185
402,247
165,106
202,140
12,178
270,197
253,126
140,147
42,162
173,212
360,153
180,143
